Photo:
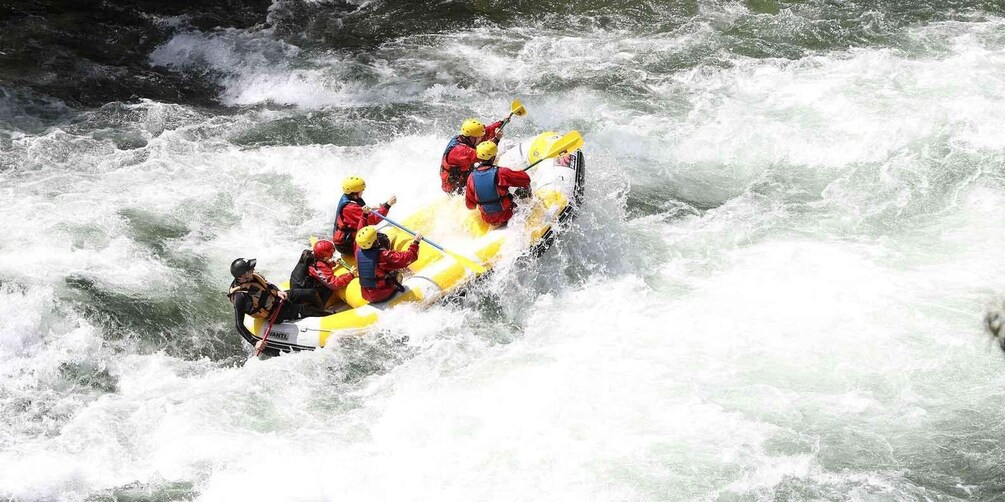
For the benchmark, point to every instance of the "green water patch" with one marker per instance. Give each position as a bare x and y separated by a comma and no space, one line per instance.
281,188
500,316
123,140
959,453
658,199
359,359
153,230
763,6
187,323
191,317
338,376
28,112
173,491
88,375
343,25
196,220
307,130
793,29
911,187
359,126
159,233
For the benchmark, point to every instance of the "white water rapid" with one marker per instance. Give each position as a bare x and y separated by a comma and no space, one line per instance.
773,291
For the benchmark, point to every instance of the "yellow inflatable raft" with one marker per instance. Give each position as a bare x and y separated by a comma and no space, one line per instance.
557,185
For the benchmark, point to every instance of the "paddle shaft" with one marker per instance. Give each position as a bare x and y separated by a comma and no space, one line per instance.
389,220
463,260
272,320
535,163
517,108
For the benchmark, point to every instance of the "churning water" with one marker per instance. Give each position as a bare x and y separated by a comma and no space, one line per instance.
774,290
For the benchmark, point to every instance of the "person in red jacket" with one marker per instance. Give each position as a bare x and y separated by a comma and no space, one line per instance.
488,187
460,157
352,214
314,272
377,264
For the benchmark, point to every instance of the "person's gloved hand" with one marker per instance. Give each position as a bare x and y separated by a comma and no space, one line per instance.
522,193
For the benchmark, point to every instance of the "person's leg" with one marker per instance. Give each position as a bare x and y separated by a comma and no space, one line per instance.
296,299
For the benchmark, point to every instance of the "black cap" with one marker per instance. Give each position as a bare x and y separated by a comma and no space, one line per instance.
240,266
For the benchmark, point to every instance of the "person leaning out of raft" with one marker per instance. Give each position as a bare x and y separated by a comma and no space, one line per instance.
252,295
378,265
460,156
352,214
488,187
314,272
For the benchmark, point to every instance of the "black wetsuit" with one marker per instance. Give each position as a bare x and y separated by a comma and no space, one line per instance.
290,310
300,278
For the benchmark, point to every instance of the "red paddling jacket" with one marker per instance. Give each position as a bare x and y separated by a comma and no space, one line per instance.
488,189
459,158
377,266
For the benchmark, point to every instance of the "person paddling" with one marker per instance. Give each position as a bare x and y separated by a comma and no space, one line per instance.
378,264
352,214
460,156
252,295
488,187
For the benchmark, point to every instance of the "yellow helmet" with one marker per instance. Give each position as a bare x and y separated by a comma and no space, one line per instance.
366,236
473,128
486,150
353,184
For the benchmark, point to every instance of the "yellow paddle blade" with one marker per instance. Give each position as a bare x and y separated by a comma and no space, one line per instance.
516,108
314,240
569,143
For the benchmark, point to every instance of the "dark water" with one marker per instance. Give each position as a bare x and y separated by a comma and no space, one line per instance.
91,53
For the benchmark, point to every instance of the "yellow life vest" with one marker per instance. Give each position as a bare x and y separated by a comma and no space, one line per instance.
263,298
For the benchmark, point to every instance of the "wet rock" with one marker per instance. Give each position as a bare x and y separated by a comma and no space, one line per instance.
90,53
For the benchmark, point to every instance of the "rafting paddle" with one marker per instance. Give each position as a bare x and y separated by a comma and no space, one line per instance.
569,143
478,269
516,108
272,320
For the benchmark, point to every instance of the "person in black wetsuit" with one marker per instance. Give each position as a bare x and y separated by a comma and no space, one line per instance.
252,295
314,271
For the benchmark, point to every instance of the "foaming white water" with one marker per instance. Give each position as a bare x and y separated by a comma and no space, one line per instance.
255,68
814,336
775,372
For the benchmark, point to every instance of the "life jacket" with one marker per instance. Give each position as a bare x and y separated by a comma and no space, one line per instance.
454,172
348,232
366,267
456,140
263,298
300,278
486,182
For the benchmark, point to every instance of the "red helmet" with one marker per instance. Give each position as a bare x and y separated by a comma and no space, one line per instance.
324,249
